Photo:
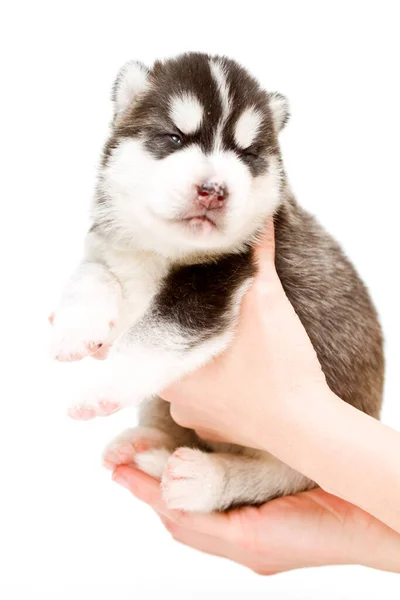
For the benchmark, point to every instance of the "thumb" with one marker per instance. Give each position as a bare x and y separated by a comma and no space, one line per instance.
265,248
266,278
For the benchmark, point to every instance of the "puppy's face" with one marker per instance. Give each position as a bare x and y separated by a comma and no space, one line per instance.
193,163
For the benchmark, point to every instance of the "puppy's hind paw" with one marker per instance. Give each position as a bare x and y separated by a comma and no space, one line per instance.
144,447
193,481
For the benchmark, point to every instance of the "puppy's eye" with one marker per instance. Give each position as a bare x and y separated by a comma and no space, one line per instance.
176,139
250,154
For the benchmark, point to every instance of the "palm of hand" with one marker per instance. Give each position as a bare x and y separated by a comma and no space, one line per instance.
307,530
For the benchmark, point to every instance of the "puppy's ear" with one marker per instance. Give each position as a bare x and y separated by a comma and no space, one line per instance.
280,110
131,80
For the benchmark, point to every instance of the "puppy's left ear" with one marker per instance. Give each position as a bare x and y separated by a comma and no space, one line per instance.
280,110
131,81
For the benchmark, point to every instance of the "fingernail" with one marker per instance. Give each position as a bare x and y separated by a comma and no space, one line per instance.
121,480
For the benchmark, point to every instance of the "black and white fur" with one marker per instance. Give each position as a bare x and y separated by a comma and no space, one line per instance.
189,175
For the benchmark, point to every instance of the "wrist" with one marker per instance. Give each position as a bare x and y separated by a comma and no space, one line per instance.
295,430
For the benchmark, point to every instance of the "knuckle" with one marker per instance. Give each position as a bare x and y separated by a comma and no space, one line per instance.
259,571
180,518
169,526
177,415
262,570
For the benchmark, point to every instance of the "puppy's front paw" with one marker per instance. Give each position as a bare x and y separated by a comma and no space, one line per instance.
193,481
81,331
85,412
144,447
99,389
92,400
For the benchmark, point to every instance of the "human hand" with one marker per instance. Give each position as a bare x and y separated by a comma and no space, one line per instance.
269,372
308,530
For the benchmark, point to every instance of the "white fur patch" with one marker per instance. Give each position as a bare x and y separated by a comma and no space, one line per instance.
153,462
165,188
88,313
218,72
193,481
187,113
132,79
280,109
248,127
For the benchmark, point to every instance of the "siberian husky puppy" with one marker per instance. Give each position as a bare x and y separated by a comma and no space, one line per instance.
189,175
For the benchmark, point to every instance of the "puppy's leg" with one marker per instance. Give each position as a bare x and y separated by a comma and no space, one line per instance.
190,320
143,361
156,413
149,445
88,313
204,482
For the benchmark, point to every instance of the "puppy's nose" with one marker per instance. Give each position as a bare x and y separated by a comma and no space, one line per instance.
212,195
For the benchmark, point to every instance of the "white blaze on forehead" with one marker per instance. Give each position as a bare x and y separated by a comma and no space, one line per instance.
218,72
219,75
186,112
248,127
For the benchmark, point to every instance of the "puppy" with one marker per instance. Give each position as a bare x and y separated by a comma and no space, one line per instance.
190,173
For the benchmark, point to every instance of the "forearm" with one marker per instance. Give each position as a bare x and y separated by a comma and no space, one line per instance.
345,451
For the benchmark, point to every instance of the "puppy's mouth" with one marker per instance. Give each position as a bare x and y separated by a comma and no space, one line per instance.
199,220
199,223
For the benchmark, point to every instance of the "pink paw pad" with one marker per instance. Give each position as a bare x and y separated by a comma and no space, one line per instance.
69,357
120,455
102,351
124,452
81,413
93,347
87,412
106,408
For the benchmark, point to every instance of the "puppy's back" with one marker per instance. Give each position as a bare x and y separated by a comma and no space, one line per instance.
334,306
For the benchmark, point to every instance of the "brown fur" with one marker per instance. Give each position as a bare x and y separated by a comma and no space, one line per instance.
198,295
333,305
336,310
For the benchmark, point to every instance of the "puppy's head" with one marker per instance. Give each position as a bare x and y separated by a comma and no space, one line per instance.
193,163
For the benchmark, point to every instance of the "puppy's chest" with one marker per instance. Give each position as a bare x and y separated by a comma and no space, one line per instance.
141,277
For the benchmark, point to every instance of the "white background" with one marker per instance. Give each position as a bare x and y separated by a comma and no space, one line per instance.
66,530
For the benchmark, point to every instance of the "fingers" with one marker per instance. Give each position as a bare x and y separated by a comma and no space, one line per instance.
210,544
266,281
265,247
147,489
194,539
218,534
184,416
189,386
265,254
210,436
181,414
144,487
